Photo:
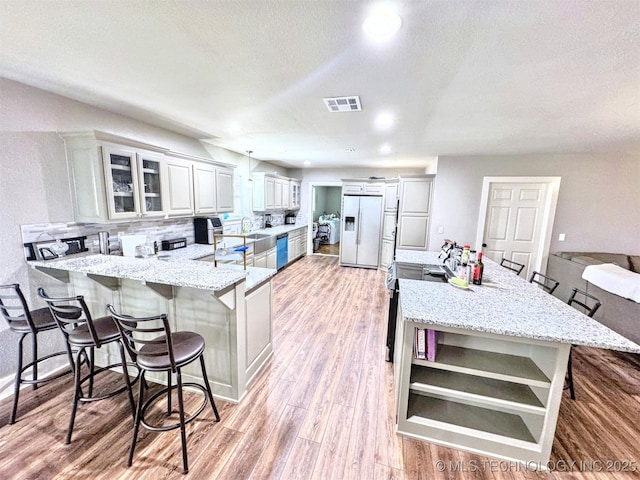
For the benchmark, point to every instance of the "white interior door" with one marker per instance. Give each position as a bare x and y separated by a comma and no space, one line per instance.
517,221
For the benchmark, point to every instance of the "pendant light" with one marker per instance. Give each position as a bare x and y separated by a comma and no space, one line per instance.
250,180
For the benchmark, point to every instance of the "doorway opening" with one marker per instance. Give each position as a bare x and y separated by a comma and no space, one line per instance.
326,213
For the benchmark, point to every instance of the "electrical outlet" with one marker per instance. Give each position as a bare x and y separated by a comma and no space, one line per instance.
441,229
561,237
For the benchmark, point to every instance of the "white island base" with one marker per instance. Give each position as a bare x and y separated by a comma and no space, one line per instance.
236,328
485,393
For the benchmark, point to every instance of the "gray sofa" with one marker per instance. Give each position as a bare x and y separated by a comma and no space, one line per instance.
619,314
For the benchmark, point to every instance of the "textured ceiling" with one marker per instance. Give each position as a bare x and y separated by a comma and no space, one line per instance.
460,77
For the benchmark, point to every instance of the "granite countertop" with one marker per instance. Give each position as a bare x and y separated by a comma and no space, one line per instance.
504,304
177,269
173,267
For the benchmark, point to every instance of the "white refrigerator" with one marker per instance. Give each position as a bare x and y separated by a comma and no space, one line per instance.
361,231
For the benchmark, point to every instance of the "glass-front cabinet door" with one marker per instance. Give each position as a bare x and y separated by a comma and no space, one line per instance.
121,176
151,185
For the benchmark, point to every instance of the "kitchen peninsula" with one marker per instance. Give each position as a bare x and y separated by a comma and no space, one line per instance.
230,307
496,383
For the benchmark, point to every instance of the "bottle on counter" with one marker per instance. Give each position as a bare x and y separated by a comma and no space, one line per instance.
471,268
464,258
478,270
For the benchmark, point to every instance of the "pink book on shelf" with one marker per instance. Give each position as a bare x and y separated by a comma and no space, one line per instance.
432,344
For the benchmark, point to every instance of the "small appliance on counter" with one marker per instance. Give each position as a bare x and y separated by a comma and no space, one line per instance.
290,218
55,248
128,244
205,228
174,243
267,220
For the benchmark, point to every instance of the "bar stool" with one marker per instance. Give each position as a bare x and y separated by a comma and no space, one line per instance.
589,311
23,321
511,265
166,352
548,284
84,333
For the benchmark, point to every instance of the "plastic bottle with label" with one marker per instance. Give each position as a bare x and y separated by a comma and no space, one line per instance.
478,270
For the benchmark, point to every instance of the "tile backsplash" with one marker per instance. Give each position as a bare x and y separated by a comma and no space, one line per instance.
156,230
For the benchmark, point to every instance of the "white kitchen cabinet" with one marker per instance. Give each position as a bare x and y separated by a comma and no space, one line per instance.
271,258
415,212
297,243
270,192
112,182
213,189
260,260
294,194
114,179
204,188
292,247
361,187
121,181
391,196
389,225
224,190
133,181
386,253
178,175
286,196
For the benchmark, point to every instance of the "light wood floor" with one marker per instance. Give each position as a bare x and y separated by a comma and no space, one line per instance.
329,249
323,408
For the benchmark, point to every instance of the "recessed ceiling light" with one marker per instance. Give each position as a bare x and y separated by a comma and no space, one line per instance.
384,149
384,121
382,23
307,163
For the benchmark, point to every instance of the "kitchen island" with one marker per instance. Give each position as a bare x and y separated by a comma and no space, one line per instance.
496,383
228,306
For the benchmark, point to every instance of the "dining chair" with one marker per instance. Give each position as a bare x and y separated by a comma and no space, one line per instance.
84,334
548,284
155,348
511,265
25,322
589,305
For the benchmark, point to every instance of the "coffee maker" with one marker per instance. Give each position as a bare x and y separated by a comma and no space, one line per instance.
267,220
205,228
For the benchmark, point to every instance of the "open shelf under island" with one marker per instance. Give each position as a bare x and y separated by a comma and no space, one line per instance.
496,383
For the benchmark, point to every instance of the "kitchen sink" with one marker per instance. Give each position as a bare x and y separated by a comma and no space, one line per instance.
262,241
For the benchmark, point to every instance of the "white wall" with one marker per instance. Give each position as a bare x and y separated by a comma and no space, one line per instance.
598,202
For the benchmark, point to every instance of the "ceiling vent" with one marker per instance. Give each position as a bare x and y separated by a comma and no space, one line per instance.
343,104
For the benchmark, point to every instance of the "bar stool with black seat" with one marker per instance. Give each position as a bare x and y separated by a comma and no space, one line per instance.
84,334
511,265
24,321
154,348
548,284
589,305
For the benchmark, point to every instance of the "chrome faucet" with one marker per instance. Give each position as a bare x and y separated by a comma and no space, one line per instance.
242,226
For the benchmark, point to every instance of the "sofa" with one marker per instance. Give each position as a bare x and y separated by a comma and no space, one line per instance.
619,314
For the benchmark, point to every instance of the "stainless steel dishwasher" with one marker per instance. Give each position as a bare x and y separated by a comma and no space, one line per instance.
282,249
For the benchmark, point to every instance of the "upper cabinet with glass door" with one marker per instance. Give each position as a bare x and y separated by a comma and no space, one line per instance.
113,181
133,183
150,168
121,182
